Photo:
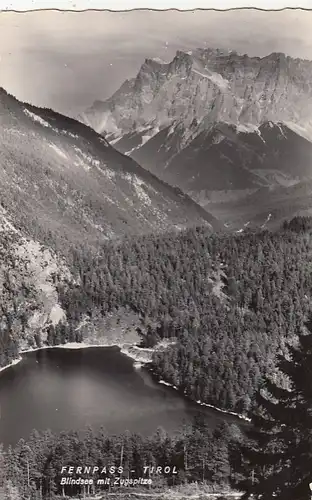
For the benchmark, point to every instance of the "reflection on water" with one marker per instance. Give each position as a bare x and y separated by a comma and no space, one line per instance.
67,389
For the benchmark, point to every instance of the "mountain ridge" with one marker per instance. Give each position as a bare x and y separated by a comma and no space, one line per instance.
211,71
77,183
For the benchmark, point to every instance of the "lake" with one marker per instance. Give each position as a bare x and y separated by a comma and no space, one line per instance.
64,389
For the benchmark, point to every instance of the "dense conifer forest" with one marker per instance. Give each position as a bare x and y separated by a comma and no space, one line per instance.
228,301
274,460
33,468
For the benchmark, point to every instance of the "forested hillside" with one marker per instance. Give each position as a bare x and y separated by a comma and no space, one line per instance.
228,301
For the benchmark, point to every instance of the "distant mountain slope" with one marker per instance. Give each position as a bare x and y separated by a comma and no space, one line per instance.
229,157
58,175
264,208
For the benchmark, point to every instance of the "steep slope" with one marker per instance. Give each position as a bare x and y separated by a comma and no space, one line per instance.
229,157
243,176
58,176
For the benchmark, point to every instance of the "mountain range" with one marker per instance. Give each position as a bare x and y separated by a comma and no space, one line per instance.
217,124
174,147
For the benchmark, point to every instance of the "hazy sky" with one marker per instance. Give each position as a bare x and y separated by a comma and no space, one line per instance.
66,60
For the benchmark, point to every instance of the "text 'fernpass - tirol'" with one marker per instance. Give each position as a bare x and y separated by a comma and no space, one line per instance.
146,470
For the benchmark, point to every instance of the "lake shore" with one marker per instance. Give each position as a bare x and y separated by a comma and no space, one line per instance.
200,403
141,356
13,363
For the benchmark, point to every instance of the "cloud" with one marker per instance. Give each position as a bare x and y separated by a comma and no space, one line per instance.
67,60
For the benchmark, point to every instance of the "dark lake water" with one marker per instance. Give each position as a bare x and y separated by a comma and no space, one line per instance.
61,389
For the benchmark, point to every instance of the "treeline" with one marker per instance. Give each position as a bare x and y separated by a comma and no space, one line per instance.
33,468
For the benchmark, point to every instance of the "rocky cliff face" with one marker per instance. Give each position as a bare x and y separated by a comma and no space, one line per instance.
206,86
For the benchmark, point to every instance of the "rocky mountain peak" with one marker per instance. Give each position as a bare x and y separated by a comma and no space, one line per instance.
210,85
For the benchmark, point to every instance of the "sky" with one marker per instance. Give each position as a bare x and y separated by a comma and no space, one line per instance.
66,60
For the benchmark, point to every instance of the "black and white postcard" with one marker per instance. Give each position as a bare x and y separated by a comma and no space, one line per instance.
155,251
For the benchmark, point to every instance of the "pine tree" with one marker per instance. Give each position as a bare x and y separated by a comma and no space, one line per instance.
2,466
11,492
275,460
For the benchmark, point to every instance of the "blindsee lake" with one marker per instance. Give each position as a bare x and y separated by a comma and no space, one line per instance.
62,389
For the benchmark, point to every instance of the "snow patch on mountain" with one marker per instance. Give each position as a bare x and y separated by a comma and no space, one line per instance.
74,136
138,184
304,130
250,128
88,158
128,153
266,221
116,139
215,78
37,118
159,61
58,151
281,130
5,224
171,130
146,137
107,172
